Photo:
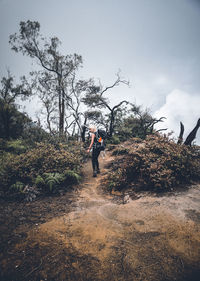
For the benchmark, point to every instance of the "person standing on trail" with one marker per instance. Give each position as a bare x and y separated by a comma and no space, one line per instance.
95,150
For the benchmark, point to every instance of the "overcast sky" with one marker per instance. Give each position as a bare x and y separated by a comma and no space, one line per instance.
155,43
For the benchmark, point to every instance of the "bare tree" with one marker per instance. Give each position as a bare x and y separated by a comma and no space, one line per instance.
96,98
55,68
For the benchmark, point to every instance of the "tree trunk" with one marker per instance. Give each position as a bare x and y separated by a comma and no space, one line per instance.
180,138
61,104
59,108
83,130
192,135
62,115
6,125
112,119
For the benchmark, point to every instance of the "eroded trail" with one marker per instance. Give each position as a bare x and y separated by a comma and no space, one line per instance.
151,238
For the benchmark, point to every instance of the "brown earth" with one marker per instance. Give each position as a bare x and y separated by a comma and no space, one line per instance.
89,235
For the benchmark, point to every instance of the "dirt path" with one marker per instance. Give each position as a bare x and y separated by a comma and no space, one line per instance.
151,238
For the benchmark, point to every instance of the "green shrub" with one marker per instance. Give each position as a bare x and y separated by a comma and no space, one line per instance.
53,180
39,182
45,158
2,144
16,146
157,163
114,140
72,177
17,187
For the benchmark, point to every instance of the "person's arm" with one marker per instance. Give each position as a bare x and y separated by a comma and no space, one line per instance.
92,141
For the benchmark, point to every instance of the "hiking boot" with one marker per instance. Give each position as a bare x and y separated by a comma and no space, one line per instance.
98,171
94,174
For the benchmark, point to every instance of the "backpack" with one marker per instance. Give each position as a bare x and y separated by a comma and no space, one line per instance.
101,135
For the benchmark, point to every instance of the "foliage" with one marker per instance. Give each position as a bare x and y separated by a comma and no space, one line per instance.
15,124
33,132
25,192
156,163
11,120
18,186
44,165
72,177
114,140
120,151
137,123
96,117
16,146
39,181
52,181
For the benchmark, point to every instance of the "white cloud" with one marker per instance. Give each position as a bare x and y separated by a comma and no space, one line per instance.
161,80
180,106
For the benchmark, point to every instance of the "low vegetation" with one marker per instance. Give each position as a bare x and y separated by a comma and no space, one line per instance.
42,169
155,163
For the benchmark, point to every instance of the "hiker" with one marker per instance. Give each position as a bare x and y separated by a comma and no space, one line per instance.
95,150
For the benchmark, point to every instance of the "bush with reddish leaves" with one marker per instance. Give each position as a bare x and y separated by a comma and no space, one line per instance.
156,163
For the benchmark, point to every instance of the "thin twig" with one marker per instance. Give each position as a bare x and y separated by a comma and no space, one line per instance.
126,241
150,265
34,269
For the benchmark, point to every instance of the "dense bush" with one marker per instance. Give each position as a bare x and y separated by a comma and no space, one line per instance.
46,166
114,140
156,163
16,146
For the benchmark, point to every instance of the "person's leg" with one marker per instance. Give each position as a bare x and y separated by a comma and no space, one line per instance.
93,159
97,162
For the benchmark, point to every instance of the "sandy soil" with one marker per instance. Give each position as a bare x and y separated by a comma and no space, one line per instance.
90,235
